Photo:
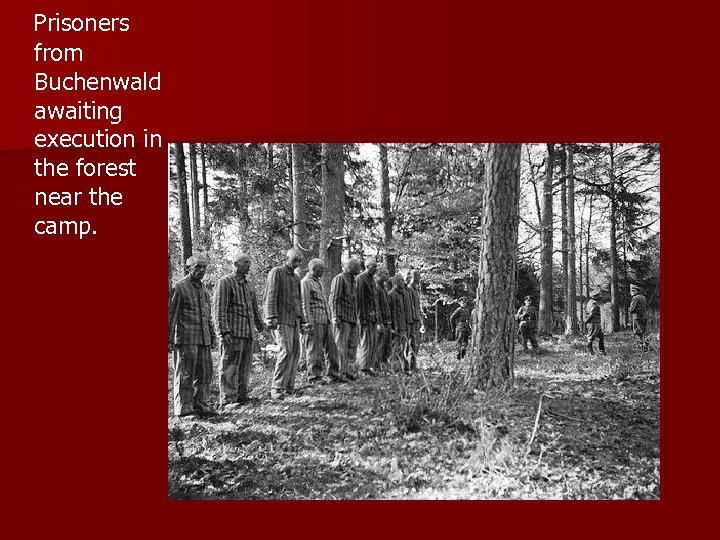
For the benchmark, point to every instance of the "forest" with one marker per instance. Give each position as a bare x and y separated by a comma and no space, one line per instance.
494,223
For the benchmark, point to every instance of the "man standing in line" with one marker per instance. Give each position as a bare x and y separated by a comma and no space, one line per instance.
382,350
527,325
235,310
460,321
638,310
319,343
191,336
284,316
418,326
398,321
593,323
367,317
343,309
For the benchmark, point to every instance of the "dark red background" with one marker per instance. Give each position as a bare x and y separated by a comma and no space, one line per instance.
85,408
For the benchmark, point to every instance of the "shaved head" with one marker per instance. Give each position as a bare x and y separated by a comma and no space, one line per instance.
294,258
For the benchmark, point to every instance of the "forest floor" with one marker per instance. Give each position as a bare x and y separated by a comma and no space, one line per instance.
575,426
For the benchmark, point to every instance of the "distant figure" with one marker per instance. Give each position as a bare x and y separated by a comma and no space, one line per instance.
236,311
319,342
398,321
527,325
593,323
384,342
638,310
460,321
343,311
367,317
191,335
418,325
284,316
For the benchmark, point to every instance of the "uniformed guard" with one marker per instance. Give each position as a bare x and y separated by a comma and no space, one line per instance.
527,325
638,310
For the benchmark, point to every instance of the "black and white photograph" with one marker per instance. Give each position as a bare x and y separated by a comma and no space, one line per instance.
419,320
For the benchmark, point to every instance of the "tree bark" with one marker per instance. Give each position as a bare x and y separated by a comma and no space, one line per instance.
545,318
614,306
243,214
206,205
185,232
300,236
333,211
195,192
497,273
564,227
571,320
387,216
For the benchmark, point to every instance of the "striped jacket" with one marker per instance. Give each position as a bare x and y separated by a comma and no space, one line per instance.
342,298
382,302
397,310
282,296
235,307
314,305
407,300
365,295
189,319
415,304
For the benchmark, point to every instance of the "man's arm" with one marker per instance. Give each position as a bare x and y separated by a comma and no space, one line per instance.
173,312
220,306
271,296
633,305
334,294
259,324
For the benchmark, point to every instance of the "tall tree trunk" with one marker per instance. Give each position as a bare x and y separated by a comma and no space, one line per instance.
497,281
545,318
564,227
333,211
587,250
243,214
185,232
195,192
387,216
571,320
206,206
300,236
581,320
615,317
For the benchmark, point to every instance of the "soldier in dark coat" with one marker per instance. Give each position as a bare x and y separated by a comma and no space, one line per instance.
527,325
638,310
191,336
460,321
593,323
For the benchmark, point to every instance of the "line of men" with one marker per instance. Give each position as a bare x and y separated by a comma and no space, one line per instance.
361,328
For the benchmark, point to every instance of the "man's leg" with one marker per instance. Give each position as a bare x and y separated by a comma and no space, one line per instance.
244,353
314,352
294,356
340,340
352,334
229,374
283,338
203,375
601,340
327,342
184,358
